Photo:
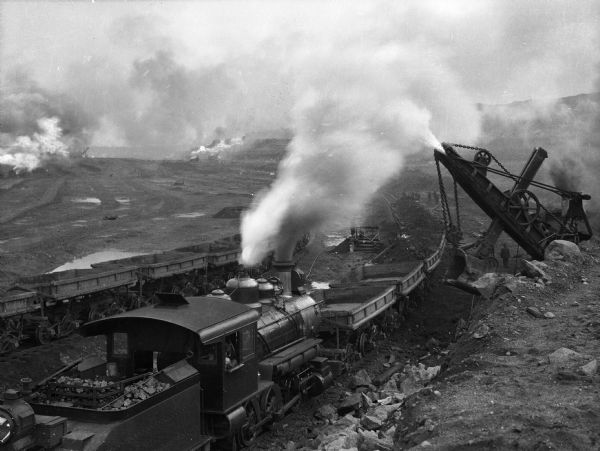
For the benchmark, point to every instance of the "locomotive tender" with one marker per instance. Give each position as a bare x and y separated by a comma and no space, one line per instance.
186,373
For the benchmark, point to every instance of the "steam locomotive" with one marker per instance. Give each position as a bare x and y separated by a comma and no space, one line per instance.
191,372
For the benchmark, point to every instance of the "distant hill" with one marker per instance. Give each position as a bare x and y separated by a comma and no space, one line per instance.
140,152
264,149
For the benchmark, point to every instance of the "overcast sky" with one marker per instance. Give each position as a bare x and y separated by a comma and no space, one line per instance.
489,51
505,50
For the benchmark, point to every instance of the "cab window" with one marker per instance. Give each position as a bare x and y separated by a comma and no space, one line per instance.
232,351
120,344
248,336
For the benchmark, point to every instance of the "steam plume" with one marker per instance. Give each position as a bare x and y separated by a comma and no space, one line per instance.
357,114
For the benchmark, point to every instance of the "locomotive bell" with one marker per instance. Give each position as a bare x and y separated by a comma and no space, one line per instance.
265,288
242,289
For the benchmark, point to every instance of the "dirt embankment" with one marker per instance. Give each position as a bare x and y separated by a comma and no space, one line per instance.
517,372
504,385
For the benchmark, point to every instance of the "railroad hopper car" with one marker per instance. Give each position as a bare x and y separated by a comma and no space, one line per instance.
53,305
189,372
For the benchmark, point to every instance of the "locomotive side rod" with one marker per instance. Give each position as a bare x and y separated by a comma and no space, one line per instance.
287,406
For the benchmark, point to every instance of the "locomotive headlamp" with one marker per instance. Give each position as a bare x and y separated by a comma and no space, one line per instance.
6,427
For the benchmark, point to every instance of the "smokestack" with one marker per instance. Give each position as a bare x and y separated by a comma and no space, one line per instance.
283,269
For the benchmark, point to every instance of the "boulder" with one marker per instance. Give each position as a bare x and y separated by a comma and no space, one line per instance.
562,250
371,422
416,376
481,331
389,434
383,412
533,270
390,386
348,421
350,404
370,441
510,283
563,355
535,312
486,284
360,379
327,412
410,386
385,401
344,439
589,369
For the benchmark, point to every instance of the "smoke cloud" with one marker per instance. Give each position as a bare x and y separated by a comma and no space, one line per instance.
36,125
27,153
566,174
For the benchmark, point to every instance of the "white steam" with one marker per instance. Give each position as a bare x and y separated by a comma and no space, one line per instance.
361,105
29,152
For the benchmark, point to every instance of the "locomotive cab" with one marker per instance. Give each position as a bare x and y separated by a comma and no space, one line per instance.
176,373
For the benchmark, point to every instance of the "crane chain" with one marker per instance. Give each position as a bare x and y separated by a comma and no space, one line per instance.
547,213
456,206
499,164
453,233
443,198
485,150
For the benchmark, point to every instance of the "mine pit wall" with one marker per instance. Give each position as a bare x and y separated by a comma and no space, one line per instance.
439,309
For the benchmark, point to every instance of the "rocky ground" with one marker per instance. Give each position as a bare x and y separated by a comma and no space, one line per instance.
515,370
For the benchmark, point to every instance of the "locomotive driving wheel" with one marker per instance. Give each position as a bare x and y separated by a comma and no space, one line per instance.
43,333
8,343
270,403
350,355
66,326
363,343
249,430
524,206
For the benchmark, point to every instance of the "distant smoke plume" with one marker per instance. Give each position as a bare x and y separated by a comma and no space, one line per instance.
36,125
362,104
30,152
566,174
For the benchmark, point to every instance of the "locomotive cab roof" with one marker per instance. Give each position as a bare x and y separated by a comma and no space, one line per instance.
211,318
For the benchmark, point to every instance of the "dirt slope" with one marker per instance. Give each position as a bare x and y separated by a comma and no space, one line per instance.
500,391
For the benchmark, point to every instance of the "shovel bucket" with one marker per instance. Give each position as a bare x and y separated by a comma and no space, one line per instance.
465,269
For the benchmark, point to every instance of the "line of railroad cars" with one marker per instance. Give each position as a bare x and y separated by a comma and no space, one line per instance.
189,372
54,304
